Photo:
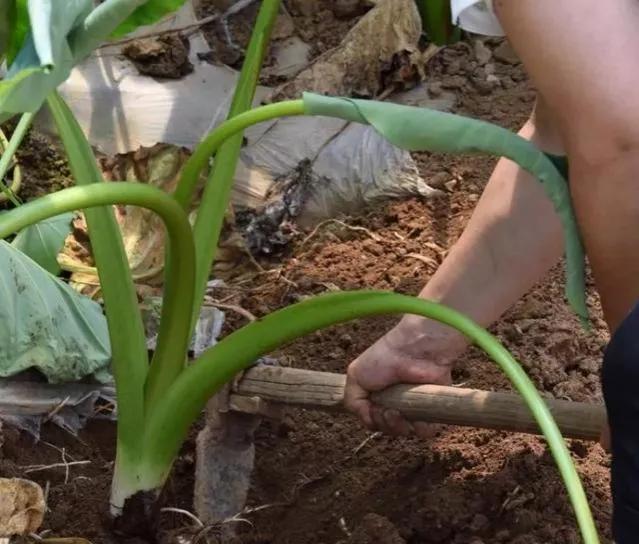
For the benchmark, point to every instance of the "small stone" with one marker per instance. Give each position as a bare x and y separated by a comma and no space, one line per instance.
345,9
493,79
502,536
450,185
376,528
513,333
505,53
454,82
482,53
489,68
345,341
284,27
438,181
454,67
589,366
479,523
483,86
507,82
305,7
435,89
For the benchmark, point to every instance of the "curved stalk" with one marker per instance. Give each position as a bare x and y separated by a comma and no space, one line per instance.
8,152
176,310
129,355
209,146
217,191
168,425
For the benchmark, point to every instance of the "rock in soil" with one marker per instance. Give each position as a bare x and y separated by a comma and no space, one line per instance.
505,53
483,53
375,529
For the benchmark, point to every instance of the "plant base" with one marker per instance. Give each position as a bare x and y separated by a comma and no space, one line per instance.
139,516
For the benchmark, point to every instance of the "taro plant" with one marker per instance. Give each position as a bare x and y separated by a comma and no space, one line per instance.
159,399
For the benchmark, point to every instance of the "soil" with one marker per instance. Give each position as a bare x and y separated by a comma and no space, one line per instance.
44,169
324,479
320,23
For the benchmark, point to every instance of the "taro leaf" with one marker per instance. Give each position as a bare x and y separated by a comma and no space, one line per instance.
147,14
416,129
43,241
45,59
45,324
60,35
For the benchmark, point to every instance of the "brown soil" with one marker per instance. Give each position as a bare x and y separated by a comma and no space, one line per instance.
44,169
316,483
321,23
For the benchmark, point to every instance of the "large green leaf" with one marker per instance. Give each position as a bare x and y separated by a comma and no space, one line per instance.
147,14
45,59
418,129
57,35
43,241
45,324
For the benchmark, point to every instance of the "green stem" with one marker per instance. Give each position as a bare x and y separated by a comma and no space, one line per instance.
100,24
226,139
436,19
133,194
165,367
8,153
209,146
168,425
217,190
180,272
128,339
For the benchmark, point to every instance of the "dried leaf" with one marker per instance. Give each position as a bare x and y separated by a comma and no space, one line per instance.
21,506
142,230
384,40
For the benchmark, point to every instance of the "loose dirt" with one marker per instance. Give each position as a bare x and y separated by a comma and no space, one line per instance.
314,479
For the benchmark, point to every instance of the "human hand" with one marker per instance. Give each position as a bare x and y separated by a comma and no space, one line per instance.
415,351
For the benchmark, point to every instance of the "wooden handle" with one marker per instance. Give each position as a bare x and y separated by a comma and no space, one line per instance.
432,403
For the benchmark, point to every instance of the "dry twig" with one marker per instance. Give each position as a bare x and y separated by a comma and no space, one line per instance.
369,233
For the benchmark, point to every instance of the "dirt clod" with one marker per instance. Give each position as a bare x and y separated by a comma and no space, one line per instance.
375,529
162,57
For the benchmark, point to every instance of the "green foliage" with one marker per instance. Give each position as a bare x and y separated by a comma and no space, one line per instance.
7,23
14,24
43,241
147,14
129,354
437,21
19,29
45,324
44,39
45,59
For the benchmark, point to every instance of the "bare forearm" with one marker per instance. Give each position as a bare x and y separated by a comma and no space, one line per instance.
512,239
